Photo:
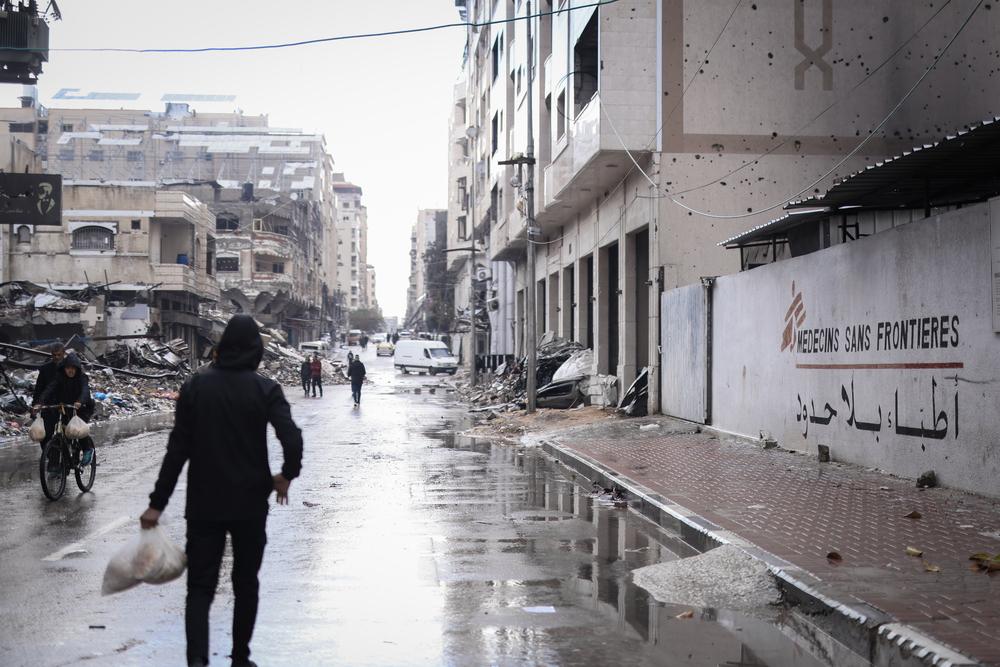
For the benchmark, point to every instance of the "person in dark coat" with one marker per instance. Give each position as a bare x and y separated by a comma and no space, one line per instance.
356,372
220,430
47,373
70,386
305,374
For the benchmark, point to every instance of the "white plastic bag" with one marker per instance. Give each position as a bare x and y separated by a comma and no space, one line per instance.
76,428
151,558
37,429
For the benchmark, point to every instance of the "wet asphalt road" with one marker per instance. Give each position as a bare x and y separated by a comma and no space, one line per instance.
403,544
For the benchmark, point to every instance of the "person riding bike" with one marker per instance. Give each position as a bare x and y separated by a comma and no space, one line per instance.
70,387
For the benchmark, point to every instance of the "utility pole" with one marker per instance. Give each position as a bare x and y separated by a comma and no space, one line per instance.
529,189
472,132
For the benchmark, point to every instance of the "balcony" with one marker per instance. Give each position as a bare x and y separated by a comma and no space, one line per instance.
173,206
273,244
181,278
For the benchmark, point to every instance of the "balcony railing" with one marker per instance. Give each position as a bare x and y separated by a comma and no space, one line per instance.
181,278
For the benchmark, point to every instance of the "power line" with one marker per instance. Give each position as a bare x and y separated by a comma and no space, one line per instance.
324,40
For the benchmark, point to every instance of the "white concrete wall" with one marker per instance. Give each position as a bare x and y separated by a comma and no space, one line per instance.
929,405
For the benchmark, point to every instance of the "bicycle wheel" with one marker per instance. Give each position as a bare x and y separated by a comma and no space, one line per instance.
85,474
54,482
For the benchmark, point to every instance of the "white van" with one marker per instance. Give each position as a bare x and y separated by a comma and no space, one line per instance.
314,346
424,356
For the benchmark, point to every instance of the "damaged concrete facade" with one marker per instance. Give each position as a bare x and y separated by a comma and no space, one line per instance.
632,128
269,192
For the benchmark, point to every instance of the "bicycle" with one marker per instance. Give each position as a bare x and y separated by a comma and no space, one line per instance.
67,452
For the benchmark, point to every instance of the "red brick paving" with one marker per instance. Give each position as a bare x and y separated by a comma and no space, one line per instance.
800,510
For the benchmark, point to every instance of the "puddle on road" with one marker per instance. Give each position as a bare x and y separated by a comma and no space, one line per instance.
549,508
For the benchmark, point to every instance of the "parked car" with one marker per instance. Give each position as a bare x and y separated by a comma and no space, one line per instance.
424,356
313,346
385,349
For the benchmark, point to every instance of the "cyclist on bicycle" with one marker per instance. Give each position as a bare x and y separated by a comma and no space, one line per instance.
70,387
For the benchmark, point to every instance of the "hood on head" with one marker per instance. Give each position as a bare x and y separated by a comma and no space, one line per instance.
241,346
71,360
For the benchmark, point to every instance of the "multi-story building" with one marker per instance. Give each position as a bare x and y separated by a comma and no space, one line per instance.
370,276
269,189
661,130
428,236
150,250
352,244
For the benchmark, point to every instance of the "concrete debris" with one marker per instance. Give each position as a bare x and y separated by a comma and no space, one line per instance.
723,578
505,389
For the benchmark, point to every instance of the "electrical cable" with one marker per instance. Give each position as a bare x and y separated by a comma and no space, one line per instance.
856,149
323,40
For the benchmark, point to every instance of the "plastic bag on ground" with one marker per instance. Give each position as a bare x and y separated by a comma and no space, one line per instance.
76,428
37,429
151,558
579,364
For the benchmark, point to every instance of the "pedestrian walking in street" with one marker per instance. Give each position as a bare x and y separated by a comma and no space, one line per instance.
364,341
316,374
220,430
305,374
69,386
356,372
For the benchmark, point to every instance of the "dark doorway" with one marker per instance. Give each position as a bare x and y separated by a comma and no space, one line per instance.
641,240
613,287
588,298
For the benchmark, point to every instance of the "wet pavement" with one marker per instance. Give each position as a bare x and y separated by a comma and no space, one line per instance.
403,544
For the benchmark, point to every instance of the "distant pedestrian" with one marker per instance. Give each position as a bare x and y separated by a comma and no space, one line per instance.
305,374
220,431
364,342
395,338
356,372
316,375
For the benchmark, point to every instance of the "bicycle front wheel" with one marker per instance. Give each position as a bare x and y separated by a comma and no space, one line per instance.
54,478
85,474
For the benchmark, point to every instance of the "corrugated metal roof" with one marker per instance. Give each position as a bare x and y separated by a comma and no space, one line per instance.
961,168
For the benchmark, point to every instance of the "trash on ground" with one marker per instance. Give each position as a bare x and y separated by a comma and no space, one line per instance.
913,551
913,515
540,610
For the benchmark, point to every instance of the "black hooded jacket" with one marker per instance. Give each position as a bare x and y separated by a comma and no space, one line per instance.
356,371
67,390
220,428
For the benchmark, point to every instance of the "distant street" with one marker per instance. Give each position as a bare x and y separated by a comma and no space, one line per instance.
402,545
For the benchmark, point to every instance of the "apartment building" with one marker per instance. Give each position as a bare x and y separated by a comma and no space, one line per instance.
352,244
662,128
150,248
269,190
370,282
427,240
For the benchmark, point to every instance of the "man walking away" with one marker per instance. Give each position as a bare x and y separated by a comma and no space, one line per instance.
305,374
220,430
364,341
316,373
356,372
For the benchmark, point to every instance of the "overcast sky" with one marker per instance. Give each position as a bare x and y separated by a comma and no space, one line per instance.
382,103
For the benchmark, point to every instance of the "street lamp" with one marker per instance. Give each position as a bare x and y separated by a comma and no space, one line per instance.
472,132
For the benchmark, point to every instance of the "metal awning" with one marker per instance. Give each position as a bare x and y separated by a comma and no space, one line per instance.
962,168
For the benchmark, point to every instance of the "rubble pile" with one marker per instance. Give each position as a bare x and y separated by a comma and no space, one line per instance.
505,389
283,364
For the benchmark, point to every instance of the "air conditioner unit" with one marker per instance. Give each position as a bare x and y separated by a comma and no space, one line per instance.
258,224
482,273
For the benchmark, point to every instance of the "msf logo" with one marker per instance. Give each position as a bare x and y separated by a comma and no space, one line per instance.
794,317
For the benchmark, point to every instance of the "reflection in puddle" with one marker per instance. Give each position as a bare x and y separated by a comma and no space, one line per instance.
593,547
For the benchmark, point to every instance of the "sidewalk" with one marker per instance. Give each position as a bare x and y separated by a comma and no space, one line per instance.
796,510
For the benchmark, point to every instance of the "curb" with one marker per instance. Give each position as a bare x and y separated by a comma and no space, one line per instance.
158,420
865,630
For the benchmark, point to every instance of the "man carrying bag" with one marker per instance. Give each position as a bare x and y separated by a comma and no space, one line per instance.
220,429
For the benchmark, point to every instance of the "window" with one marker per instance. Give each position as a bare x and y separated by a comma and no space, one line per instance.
278,267
66,154
494,204
136,225
23,234
227,264
226,222
462,231
463,194
93,238
494,132
66,127
347,204
561,115
96,156
134,156
497,52
585,65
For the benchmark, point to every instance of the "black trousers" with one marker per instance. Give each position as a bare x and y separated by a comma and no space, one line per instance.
305,384
317,382
206,542
356,390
